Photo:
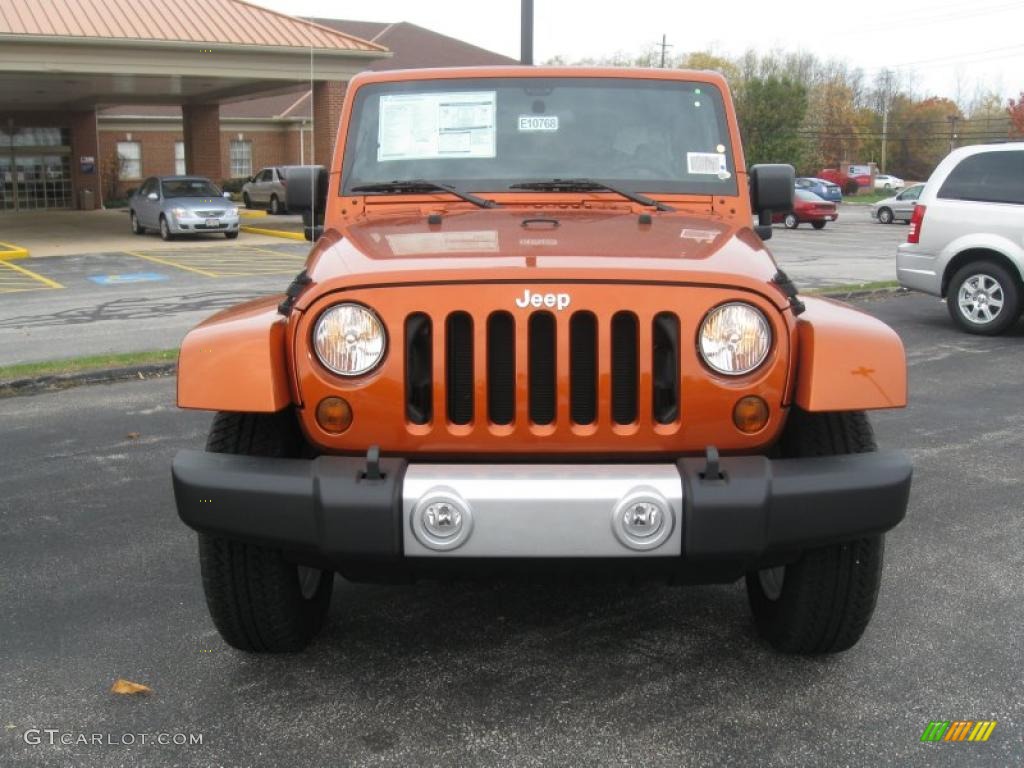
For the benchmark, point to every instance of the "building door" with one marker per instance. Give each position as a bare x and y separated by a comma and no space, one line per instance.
35,169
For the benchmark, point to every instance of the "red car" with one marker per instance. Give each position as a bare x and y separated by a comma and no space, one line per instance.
807,207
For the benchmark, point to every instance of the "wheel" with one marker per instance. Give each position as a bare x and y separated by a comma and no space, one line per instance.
275,206
885,216
887,187
231,235
246,200
823,601
165,229
983,298
137,229
818,224
791,221
258,600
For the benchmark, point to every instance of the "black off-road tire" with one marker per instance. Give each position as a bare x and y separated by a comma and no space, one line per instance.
822,602
1008,289
256,597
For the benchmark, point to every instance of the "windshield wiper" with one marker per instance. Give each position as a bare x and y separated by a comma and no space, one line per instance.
590,185
422,185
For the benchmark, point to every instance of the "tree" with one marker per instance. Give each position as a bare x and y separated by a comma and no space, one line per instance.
923,133
1016,112
770,111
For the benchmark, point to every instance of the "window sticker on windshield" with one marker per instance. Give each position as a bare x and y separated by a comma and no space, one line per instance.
427,126
538,122
705,163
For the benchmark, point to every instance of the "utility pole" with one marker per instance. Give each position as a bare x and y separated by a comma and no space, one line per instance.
526,32
664,46
885,132
952,130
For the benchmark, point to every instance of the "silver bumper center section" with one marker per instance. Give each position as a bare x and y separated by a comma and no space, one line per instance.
540,510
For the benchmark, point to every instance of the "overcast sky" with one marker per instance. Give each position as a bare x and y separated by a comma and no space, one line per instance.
934,40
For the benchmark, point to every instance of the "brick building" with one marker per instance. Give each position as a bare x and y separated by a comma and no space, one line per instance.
272,130
63,62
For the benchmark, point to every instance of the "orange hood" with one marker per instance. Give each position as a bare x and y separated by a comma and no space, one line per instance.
541,245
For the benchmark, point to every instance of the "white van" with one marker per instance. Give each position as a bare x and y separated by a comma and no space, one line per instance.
966,239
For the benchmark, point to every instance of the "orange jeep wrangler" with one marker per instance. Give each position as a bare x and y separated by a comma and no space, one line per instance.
539,333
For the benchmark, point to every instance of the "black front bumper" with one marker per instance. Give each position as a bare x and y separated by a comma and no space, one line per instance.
757,512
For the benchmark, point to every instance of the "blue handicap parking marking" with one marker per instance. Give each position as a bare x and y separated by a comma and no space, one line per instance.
131,277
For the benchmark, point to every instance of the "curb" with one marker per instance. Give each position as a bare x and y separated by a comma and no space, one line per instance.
273,233
10,251
38,384
252,213
860,294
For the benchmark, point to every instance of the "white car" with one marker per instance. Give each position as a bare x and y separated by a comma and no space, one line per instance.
886,182
966,239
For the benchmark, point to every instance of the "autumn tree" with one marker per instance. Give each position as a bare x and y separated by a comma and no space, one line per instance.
1016,112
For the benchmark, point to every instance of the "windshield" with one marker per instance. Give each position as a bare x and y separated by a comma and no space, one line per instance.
189,188
485,134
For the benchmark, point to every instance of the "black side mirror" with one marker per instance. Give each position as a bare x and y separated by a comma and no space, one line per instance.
771,189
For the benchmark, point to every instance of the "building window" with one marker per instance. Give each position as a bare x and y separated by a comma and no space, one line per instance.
129,154
179,158
241,159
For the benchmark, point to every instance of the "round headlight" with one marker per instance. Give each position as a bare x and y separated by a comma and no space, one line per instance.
735,338
349,339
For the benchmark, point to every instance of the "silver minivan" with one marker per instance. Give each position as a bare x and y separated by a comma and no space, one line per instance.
966,239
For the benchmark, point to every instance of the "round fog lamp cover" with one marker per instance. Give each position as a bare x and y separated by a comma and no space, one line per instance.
643,519
441,519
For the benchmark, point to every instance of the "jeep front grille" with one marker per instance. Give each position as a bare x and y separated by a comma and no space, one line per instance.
579,350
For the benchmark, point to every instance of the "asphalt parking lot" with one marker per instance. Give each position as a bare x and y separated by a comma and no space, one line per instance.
100,581
148,298
132,301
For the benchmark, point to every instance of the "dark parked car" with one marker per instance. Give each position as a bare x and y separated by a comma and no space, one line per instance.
823,188
807,207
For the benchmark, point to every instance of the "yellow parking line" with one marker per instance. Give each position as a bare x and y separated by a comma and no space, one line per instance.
275,253
172,264
12,251
29,273
273,233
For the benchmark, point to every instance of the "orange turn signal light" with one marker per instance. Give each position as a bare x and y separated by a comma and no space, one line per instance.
750,414
334,415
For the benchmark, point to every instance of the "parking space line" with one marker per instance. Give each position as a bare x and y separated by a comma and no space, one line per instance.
272,253
23,279
156,260
238,261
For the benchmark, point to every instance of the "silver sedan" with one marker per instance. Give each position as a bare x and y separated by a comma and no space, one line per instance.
897,208
182,205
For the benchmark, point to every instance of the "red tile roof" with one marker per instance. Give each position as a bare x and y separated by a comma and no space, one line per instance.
223,22
415,47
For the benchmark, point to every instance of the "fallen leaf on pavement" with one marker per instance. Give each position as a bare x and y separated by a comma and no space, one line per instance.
132,435
128,687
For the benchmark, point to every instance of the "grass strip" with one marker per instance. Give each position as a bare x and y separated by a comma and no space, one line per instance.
85,364
853,288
